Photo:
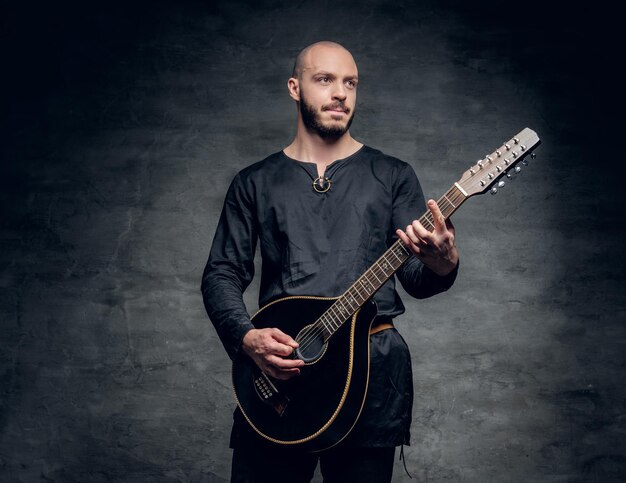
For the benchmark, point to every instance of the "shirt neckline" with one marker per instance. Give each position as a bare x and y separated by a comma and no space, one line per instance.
336,162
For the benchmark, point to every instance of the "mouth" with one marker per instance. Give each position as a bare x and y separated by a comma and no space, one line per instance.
336,109
338,114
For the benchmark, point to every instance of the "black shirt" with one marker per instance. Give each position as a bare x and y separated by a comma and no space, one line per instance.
318,244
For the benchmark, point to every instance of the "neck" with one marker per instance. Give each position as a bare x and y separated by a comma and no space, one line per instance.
312,148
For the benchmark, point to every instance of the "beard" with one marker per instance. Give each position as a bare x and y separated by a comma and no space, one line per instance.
312,119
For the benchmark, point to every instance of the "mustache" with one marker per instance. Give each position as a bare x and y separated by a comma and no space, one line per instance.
336,105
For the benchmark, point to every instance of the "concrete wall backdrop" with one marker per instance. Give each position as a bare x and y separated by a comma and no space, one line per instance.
122,126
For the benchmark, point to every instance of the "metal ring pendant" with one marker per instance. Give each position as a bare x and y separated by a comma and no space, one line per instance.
321,184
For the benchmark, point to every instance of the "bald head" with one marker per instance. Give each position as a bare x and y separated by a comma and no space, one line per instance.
323,84
303,59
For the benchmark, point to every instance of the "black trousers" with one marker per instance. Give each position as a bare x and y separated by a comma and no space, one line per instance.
338,465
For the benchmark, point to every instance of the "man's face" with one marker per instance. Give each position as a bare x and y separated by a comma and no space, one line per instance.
328,91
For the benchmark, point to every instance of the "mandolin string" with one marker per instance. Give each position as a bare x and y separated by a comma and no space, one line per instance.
448,203
381,276
375,270
315,329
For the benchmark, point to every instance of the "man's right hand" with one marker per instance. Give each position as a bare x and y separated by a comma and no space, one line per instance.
270,349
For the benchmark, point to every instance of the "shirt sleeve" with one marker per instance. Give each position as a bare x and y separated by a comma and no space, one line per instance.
230,268
418,280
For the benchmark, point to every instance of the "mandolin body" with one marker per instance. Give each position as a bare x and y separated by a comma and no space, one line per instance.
318,408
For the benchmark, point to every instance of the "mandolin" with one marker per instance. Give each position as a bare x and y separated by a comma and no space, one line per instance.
319,408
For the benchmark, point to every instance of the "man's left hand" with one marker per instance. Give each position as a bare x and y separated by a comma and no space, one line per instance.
436,249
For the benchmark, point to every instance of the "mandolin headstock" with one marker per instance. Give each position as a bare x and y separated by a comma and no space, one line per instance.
487,172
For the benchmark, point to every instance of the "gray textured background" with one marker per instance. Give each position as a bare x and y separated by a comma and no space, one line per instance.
121,128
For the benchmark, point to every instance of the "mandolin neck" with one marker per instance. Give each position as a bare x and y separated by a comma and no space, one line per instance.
383,268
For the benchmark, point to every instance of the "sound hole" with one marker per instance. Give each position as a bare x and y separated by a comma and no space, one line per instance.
312,345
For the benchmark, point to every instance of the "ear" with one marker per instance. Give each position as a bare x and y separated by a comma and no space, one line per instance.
294,88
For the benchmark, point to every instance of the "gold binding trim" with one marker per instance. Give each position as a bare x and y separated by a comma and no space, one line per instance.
345,391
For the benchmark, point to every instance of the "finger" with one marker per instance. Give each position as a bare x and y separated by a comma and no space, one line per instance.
414,235
284,364
411,235
422,235
280,373
437,216
450,226
280,336
405,239
281,343
279,349
270,371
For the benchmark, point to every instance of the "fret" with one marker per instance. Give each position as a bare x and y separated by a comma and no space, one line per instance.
363,299
364,287
334,319
366,276
404,249
452,194
350,300
328,332
431,223
328,322
333,315
372,271
386,265
342,310
343,301
344,313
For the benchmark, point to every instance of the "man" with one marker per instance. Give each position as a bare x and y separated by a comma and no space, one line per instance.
324,208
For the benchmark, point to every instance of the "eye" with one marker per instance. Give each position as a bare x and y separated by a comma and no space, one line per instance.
351,84
324,80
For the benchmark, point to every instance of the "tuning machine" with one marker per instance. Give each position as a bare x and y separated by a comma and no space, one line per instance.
510,174
494,190
525,160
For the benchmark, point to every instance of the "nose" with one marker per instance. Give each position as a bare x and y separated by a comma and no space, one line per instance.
339,92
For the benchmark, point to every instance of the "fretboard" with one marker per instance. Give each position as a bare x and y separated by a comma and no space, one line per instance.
382,269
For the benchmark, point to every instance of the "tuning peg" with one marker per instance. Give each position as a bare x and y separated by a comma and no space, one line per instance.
511,174
501,184
533,155
493,190
517,169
